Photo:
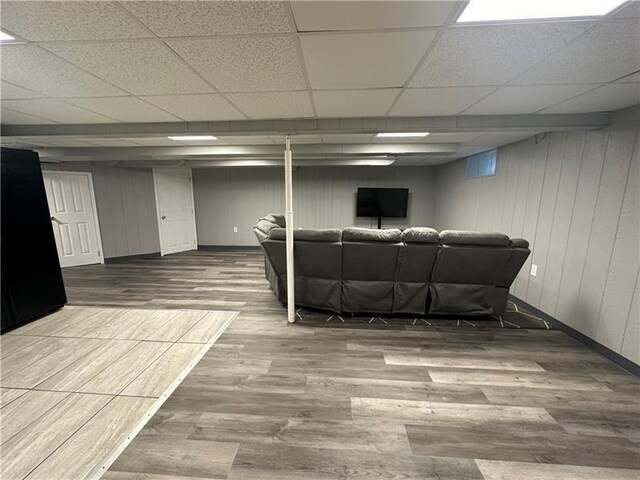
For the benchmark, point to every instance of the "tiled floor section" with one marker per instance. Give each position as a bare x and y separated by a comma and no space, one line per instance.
77,385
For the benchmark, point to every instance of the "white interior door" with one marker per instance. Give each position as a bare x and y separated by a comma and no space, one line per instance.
72,207
176,214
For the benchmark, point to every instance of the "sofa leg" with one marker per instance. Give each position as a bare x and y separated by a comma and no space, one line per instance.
426,322
381,319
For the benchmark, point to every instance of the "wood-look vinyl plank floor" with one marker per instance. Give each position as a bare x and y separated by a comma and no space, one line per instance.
522,444
462,362
290,402
495,470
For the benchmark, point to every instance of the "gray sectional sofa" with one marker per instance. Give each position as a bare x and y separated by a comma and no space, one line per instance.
416,271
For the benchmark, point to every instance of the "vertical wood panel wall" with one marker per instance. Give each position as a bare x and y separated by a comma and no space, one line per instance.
126,208
574,196
323,198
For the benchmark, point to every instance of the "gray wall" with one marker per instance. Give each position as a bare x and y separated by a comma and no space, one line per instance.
574,196
323,198
126,208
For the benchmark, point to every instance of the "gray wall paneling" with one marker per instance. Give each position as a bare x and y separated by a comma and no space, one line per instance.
323,198
575,197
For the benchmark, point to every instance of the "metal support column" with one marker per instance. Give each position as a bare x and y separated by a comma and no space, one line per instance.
288,193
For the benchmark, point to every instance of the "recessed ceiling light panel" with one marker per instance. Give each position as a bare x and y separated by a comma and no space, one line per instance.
498,10
192,138
5,37
402,134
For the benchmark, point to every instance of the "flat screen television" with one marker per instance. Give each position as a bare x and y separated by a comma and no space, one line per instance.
382,202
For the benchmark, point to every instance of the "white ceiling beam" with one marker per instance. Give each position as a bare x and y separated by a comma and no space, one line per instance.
245,151
450,124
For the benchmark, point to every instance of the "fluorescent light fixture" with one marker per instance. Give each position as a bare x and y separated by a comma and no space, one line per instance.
193,138
402,134
496,10
4,37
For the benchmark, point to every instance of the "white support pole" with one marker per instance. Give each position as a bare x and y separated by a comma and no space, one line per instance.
288,211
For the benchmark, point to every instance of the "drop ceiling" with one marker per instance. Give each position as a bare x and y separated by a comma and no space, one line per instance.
89,64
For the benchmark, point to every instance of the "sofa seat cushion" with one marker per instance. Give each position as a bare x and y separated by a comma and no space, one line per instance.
465,237
420,235
353,234
308,234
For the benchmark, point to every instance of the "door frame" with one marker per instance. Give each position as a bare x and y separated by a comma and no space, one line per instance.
92,194
193,205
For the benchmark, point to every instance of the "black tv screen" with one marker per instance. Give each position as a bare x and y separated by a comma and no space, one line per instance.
382,202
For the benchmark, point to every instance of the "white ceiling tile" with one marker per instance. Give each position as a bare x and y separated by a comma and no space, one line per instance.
9,117
31,67
603,54
190,19
140,68
606,98
437,101
9,91
246,140
357,138
197,108
55,110
491,54
297,139
314,16
70,21
512,100
273,105
125,109
245,64
354,103
363,60
491,140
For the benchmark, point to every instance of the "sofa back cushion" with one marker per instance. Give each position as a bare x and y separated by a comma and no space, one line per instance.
368,273
276,218
265,226
466,237
308,234
353,234
420,235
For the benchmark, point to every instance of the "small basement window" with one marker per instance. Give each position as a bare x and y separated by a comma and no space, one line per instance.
482,164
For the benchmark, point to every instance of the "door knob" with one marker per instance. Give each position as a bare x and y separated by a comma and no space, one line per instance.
163,217
54,219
